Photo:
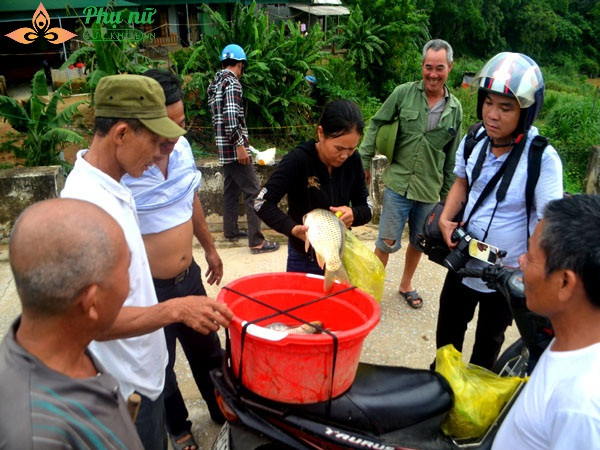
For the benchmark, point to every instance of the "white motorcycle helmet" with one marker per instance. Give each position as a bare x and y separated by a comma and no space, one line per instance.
513,75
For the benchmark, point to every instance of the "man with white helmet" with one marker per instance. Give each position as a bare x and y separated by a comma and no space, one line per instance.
490,185
227,109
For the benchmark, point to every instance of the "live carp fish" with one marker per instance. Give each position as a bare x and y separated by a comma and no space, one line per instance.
326,234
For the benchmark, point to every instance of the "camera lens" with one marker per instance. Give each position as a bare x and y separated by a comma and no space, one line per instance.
455,260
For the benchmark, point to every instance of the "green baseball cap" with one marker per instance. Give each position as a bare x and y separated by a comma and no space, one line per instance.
385,141
135,97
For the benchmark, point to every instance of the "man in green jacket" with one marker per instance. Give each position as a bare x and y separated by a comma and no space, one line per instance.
420,170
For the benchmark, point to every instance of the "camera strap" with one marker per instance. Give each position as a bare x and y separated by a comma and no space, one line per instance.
508,168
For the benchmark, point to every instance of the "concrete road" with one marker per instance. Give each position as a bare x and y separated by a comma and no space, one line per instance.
404,336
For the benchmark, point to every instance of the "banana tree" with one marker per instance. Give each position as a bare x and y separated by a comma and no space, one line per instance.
106,57
364,39
39,125
279,55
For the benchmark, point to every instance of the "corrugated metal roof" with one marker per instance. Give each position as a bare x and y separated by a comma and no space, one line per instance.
322,10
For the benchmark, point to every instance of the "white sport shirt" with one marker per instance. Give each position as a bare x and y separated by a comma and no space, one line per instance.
138,363
163,203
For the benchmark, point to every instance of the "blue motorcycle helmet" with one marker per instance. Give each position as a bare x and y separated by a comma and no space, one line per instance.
233,52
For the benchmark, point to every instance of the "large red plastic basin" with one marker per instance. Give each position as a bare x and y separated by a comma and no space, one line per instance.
297,368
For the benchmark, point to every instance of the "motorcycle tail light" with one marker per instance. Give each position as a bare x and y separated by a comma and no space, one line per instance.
227,411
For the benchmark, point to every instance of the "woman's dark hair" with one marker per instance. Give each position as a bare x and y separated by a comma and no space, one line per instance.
169,82
102,125
341,117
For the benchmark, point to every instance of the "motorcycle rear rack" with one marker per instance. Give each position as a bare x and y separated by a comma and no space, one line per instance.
493,428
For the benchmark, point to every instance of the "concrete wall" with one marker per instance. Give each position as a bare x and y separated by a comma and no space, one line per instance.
211,192
376,189
21,187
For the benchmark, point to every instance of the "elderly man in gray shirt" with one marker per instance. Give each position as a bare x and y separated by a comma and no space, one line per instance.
54,393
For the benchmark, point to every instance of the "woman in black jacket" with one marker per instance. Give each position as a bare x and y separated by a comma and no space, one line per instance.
327,174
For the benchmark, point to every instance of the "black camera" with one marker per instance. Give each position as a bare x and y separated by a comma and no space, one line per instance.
457,258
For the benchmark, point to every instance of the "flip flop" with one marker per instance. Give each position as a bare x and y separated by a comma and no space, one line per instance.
268,246
413,299
188,444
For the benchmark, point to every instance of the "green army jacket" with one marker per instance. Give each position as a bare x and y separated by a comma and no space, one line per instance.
423,162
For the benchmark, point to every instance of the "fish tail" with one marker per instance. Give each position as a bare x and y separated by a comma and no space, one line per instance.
335,275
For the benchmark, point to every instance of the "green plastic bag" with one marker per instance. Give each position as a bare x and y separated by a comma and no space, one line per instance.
363,267
479,394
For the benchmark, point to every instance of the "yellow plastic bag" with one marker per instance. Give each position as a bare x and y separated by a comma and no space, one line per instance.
363,267
479,394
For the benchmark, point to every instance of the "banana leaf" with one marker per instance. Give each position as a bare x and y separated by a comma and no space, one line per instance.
14,113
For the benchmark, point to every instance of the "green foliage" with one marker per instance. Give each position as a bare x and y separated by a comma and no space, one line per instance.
533,15
550,31
468,100
39,123
363,39
566,79
460,67
110,57
573,127
179,58
345,81
468,26
406,33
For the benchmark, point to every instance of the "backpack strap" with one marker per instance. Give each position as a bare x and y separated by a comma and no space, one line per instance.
470,142
534,166
514,157
472,139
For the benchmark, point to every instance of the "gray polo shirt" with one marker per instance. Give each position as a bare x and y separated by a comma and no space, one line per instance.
44,409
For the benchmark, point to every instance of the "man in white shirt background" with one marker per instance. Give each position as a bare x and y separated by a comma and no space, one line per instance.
170,215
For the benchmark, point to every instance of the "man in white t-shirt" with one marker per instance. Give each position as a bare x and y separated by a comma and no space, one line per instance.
170,215
559,408
131,122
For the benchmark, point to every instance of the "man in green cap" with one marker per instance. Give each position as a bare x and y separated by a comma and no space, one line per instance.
131,121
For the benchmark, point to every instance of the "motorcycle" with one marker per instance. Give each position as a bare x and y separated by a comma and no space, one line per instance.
386,407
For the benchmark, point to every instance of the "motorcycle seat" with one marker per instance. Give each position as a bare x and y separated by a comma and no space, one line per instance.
384,399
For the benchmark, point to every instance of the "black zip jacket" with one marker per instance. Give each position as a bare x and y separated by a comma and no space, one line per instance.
305,179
